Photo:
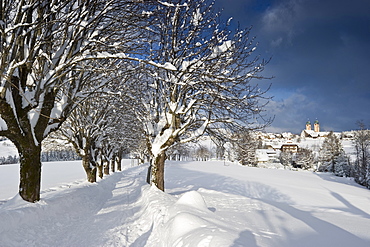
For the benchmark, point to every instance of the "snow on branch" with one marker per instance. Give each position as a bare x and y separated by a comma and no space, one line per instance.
108,55
196,133
167,4
3,125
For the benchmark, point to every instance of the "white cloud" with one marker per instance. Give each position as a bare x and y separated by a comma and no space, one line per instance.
291,113
276,42
281,20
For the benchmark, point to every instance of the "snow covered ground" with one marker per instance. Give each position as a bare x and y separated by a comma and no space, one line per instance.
205,204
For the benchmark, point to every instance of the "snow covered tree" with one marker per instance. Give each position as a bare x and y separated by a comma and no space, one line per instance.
304,158
333,158
205,81
330,150
45,53
342,167
86,129
245,145
286,158
362,146
100,129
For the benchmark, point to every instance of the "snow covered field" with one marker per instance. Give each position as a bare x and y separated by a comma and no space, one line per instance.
205,204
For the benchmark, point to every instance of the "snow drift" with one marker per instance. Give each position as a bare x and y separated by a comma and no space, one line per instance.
206,204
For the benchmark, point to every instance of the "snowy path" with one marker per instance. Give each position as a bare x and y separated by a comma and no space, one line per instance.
78,214
206,204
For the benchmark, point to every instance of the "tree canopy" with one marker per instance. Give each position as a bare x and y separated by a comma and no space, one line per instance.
188,73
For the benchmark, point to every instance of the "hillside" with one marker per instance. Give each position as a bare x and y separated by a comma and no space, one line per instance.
206,204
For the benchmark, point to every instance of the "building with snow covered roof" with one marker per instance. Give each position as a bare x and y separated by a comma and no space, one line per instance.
315,133
266,155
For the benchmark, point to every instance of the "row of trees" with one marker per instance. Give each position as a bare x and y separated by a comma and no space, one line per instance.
110,74
55,155
9,160
50,62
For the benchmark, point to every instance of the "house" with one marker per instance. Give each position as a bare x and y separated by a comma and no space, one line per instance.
266,155
274,145
289,147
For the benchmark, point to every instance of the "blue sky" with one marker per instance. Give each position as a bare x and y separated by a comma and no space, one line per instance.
320,52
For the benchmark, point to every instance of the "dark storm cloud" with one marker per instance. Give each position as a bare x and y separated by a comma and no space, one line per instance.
320,53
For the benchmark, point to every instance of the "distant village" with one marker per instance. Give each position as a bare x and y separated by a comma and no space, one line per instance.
270,146
274,144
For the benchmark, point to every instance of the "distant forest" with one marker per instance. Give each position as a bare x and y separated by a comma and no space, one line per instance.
55,155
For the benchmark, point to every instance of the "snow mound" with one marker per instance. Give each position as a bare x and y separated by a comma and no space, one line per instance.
192,199
184,223
190,223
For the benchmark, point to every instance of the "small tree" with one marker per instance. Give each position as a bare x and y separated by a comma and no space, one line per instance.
305,158
330,150
245,145
342,167
286,158
362,145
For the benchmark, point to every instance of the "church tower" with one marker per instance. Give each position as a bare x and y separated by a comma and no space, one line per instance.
316,126
308,125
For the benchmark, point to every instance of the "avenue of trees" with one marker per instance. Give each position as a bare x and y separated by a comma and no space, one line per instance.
48,66
109,74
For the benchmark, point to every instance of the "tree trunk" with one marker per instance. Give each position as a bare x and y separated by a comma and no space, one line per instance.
119,161
100,170
149,174
113,164
30,172
90,169
106,168
158,170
